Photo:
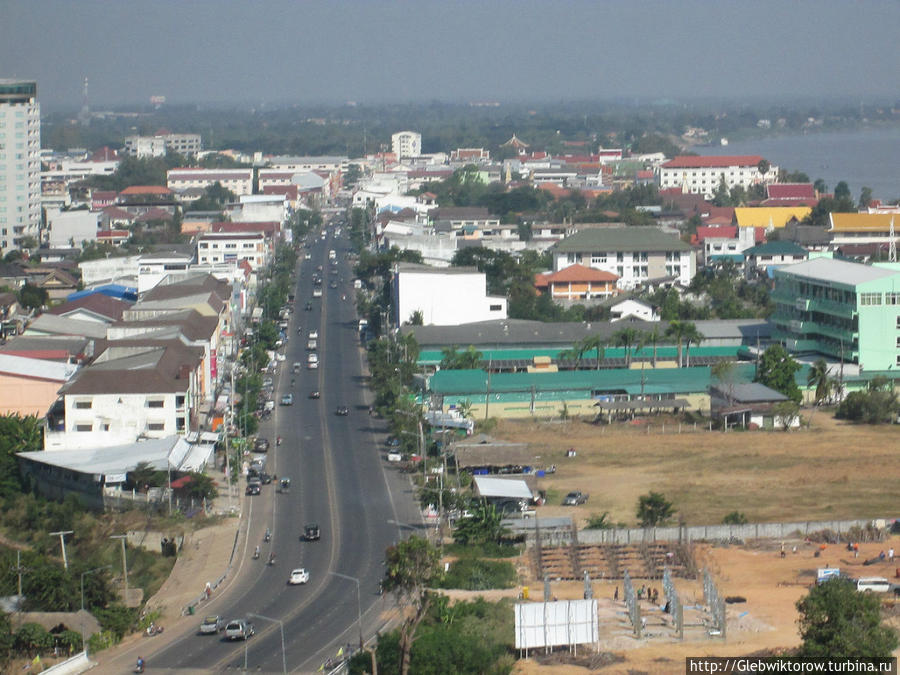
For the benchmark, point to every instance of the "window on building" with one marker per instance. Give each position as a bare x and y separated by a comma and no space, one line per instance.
203,244
598,259
156,426
892,298
156,403
179,401
84,427
83,405
496,308
868,299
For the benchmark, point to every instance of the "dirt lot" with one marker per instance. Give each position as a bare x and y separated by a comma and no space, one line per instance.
831,471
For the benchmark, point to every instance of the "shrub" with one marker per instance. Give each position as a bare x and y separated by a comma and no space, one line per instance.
735,518
479,575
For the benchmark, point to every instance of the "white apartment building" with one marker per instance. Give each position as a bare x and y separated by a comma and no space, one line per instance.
20,163
406,144
445,297
127,393
70,229
219,247
158,146
145,146
702,175
634,254
239,181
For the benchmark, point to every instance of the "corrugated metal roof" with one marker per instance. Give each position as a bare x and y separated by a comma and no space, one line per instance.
621,239
668,380
836,271
774,216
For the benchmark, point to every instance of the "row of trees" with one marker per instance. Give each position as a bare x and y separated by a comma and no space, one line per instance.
682,333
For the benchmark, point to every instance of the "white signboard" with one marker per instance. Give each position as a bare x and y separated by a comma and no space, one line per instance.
551,624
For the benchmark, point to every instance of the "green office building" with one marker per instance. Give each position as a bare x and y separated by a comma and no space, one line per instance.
840,309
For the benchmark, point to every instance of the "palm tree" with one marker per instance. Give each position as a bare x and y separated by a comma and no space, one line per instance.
626,337
691,336
650,337
676,330
595,342
819,378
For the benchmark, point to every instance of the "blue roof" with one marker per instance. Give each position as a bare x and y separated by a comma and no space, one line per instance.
111,290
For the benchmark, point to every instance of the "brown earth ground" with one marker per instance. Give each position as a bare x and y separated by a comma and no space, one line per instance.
830,471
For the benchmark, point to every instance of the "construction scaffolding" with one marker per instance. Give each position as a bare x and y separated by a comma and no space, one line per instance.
673,603
633,606
716,604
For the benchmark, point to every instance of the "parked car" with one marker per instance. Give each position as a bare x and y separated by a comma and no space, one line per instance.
313,335
261,445
287,399
211,624
575,499
342,411
238,629
298,576
252,489
311,532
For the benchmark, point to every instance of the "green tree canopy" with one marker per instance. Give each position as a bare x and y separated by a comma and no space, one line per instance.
776,370
838,621
654,509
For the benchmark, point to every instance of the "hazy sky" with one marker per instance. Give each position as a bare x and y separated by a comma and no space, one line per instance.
366,50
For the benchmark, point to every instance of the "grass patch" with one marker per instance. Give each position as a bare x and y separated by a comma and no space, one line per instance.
475,574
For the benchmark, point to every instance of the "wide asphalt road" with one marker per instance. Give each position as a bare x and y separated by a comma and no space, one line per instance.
338,479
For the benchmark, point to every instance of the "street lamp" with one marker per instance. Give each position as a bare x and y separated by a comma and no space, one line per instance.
281,626
358,605
83,574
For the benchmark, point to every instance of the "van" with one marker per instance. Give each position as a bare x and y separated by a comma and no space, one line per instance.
873,584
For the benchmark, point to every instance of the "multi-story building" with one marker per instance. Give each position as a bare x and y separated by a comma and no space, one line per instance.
239,181
840,309
20,164
634,254
702,175
160,144
406,144
445,297
233,246
864,228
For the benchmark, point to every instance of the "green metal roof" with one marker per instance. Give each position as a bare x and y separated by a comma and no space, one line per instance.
776,248
733,257
634,238
430,357
666,380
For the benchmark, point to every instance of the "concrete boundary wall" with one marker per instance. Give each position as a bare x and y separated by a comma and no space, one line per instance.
706,532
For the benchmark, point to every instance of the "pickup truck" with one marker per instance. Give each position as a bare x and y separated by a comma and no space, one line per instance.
238,629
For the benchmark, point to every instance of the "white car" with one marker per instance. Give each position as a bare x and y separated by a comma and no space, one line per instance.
313,335
298,576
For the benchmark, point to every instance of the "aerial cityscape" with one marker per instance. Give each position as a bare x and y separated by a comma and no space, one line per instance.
511,338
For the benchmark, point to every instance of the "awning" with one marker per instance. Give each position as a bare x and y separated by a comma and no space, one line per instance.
502,487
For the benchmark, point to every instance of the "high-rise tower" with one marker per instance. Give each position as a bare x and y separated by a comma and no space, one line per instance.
20,163
84,116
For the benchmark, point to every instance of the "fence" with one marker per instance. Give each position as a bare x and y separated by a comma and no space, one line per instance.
685,534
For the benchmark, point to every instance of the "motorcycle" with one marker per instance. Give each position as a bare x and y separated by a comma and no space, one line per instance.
153,629
278,441
267,536
256,553
271,560
139,668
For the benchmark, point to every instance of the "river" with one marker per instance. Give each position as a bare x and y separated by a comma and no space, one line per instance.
865,157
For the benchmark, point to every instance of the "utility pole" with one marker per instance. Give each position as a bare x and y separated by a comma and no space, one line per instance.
62,544
121,538
19,570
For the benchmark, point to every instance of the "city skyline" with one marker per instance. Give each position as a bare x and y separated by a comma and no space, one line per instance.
223,51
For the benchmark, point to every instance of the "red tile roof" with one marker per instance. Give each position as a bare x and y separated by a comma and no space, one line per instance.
579,273
691,162
791,191
289,191
146,190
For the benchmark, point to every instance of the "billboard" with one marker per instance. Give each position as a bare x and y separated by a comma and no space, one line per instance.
551,624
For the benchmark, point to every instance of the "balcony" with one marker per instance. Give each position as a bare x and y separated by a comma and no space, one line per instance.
840,309
848,335
801,304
